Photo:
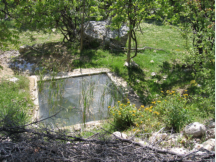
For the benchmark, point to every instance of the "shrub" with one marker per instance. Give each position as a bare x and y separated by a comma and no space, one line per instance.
174,110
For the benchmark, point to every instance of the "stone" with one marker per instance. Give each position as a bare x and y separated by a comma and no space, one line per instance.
180,151
174,138
152,61
210,133
209,144
195,129
211,124
132,64
23,49
120,135
99,33
157,137
153,74
14,79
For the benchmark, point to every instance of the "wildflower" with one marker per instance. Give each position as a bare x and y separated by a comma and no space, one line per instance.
142,115
133,114
109,106
125,105
128,102
159,101
165,100
119,113
145,129
139,109
141,122
142,106
154,102
185,90
119,101
173,94
162,91
120,108
130,111
137,125
150,110
134,130
151,107
121,105
173,91
185,94
134,111
113,106
113,114
170,93
167,91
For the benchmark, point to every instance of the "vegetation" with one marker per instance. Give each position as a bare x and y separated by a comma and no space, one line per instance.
182,87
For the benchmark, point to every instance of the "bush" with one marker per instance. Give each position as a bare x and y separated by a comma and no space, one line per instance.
175,112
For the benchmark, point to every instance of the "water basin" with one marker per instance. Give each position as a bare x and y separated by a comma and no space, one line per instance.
77,99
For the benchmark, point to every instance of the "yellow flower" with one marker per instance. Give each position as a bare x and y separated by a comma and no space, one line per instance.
151,107
134,130
185,94
173,91
113,114
134,111
119,113
120,108
142,115
167,91
130,111
137,125
165,100
133,114
113,106
121,104
128,102
170,93
125,105
141,122
162,91
159,101
150,110
145,129
154,102
139,109
173,94
109,106
185,90
119,101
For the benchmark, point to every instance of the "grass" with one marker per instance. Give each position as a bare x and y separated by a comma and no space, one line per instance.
171,74
15,102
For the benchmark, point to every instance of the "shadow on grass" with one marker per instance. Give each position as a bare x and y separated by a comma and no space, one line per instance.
170,75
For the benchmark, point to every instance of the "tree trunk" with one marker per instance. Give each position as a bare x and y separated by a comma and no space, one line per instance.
130,32
82,27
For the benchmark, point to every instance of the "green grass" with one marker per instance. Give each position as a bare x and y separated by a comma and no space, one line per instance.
15,102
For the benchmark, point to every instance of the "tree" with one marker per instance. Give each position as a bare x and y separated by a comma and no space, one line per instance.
132,12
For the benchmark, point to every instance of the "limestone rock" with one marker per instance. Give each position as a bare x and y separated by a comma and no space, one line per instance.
99,33
180,151
210,133
209,144
211,124
195,129
120,135
14,79
23,49
157,137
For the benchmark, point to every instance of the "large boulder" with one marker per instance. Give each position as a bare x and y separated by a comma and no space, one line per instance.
195,129
97,33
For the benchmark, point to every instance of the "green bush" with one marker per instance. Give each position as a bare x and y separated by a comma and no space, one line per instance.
175,113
